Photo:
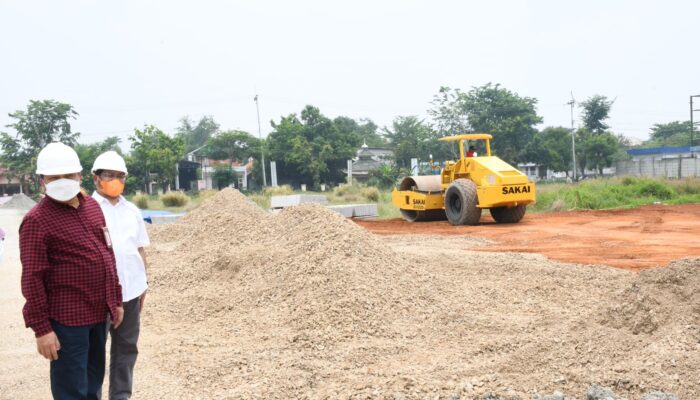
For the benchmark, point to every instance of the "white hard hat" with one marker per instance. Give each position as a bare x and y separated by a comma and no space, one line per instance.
57,159
110,160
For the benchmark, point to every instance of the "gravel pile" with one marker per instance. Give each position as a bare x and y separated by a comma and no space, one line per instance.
306,304
20,201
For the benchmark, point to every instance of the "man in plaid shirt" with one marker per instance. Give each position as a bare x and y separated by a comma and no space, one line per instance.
69,277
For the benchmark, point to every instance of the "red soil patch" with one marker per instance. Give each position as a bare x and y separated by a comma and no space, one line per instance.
634,239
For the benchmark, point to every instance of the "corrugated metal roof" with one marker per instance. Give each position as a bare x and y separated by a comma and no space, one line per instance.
663,150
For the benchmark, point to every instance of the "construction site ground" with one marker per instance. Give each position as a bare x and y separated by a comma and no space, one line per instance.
633,239
308,305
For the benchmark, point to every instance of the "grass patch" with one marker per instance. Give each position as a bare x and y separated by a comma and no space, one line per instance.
593,194
627,192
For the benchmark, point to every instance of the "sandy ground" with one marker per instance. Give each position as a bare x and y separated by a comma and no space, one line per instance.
509,323
631,239
24,374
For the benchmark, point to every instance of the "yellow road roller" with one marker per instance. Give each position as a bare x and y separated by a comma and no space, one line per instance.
465,187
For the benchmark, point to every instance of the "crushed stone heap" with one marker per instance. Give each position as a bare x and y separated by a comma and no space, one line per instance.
306,304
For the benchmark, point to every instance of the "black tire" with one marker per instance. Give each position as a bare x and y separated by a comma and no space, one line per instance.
460,203
429,215
508,215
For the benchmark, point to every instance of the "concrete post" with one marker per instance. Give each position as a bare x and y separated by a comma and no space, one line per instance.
414,166
273,173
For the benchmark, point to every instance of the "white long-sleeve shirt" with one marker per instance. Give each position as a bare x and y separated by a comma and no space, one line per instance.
127,231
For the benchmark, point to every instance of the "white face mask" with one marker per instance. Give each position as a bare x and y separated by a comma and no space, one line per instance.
62,189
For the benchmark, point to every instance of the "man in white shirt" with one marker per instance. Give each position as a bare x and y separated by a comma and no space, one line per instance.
129,237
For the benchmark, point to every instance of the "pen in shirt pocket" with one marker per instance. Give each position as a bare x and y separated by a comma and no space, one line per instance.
108,239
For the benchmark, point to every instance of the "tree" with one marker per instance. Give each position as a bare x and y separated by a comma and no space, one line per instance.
595,111
386,176
365,131
510,118
155,152
409,138
311,149
674,133
43,122
447,112
223,175
232,145
196,136
600,150
89,152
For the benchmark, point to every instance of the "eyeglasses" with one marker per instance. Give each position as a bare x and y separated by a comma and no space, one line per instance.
108,176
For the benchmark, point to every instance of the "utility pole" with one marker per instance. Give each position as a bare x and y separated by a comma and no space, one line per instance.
262,146
692,124
572,103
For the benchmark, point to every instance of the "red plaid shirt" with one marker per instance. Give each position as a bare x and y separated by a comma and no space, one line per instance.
69,273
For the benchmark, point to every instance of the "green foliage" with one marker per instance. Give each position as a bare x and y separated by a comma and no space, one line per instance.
223,176
371,193
233,145
655,189
510,118
311,149
174,199
155,152
196,136
447,112
344,189
600,150
672,134
615,193
386,176
410,138
366,130
141,201
687,186
89,152
551,148
595,111
43,122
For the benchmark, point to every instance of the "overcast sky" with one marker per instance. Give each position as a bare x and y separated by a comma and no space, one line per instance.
123,64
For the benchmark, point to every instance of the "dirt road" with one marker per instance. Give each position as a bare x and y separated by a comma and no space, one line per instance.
630,239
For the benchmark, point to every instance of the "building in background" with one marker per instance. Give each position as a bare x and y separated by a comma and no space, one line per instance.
197,172
8,186
369,158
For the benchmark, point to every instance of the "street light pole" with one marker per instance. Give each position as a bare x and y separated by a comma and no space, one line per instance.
692,124
262,146
573,136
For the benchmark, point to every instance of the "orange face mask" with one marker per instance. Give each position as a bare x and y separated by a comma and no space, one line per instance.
112,188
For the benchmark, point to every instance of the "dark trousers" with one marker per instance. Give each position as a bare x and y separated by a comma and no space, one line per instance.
124,351
80,369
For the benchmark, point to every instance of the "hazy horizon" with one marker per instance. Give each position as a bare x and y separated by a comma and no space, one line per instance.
126,64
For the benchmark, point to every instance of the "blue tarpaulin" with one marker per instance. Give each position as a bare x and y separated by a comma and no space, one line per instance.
148,213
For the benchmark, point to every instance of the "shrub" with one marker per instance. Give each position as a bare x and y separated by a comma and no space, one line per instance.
141,201
687,186
342,190
371,193
656,189
174,199
629,180
278,190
